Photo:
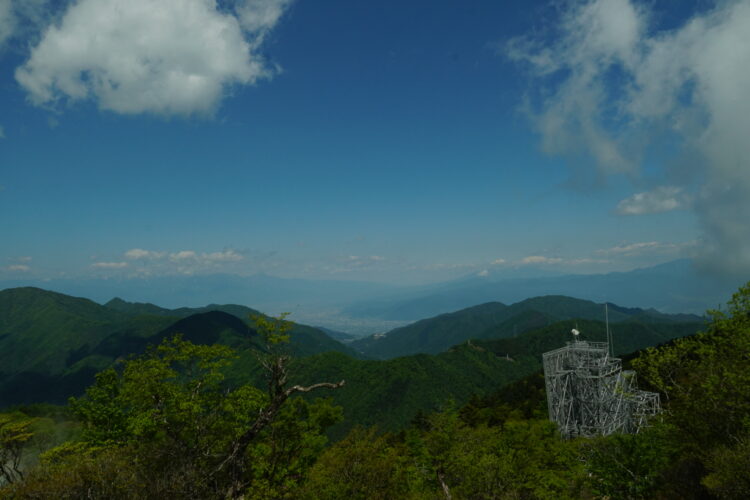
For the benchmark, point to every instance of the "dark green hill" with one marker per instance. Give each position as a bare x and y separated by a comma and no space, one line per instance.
75,338
390,393
47,341
306,340
627,337
135,308
131,308
52,345
40,330
497,320
433,335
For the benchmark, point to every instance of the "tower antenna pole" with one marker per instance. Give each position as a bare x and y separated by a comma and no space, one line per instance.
606,321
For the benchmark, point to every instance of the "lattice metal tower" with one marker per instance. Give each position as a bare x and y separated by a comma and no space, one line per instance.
589,394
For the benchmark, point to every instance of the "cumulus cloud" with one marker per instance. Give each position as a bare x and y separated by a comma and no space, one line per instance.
592,36
153,262
631,248
109,265
610,83
645,247
498,262
168,57
585,261
139,253
183,255
539,259
366,258
225,256
259,16
662,199
22,268
7,21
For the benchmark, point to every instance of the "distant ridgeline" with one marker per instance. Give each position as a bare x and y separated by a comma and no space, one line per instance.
495,320
51,345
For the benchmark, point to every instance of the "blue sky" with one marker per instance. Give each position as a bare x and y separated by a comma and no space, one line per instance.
404,142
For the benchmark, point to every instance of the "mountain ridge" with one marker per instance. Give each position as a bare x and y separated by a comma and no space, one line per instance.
497,320
49,340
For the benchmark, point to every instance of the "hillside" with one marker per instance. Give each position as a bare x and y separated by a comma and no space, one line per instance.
39,329
52,345
390,393
496,320
306,340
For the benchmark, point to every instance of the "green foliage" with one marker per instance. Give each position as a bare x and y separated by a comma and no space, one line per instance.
15,434
274,331
363,466
168,424
520,459
729,467
389,393
706,385
630,466
705,377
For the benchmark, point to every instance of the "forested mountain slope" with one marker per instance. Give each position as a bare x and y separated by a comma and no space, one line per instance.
52,344
390,393
72,339
497,320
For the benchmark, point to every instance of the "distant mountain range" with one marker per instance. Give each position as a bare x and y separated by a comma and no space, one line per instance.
361,308
51,346
496,320
673,287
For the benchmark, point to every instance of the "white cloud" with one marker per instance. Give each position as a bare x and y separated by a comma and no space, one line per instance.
498,262
109,265
225,256
610,83
183,255
585,261
631,248
19,268
662,199
182,261
483,273
538,259
648,247
258,16
7,21
168,57
592,36
139,253
367,259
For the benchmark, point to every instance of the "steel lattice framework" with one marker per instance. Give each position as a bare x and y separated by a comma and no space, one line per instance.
589,394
